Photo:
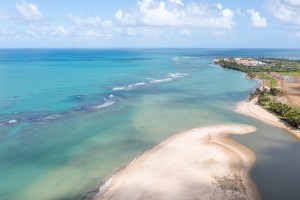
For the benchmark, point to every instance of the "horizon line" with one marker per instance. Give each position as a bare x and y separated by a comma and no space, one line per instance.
106,48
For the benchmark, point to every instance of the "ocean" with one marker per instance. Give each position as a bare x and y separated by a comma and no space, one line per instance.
70,118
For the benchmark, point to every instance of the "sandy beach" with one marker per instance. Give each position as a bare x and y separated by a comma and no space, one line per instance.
251,108
199,164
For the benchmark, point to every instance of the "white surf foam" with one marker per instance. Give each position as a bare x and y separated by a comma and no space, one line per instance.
119,88
105,104
177,75
50,117
161,80
105,185
175,60
129,87
169,77
12,121
141,83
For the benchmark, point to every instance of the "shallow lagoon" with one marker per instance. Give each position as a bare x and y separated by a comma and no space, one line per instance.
68,137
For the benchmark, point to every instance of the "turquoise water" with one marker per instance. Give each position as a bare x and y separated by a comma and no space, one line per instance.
69,118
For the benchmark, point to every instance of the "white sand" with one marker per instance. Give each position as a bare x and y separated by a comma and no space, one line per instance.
251,108
199,164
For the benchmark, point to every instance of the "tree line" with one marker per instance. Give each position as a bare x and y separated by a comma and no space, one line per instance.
285,112
271,66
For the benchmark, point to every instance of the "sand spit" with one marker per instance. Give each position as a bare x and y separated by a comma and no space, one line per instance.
252,109
199,164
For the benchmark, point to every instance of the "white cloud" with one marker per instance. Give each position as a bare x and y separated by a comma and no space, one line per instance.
91,27
257,20
219,6
107,24
178,2
60,30
294,2
29,11
31,33
89,21
91,33
55,31
286,11
155,13
47,30
144,31
35,32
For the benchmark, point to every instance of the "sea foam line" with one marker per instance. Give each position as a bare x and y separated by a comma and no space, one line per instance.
107,183
49,117
103,187
12,121
128,87
107,102
169,77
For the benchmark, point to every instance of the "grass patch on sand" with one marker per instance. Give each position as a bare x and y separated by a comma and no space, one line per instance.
297,108
290,73
268,80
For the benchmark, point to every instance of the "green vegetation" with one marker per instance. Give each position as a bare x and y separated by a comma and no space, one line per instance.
282,65
289,114
258,93
270,65
297,108
266,99
268,80
251,75
261,68
275,92
290,73
267,65
231,64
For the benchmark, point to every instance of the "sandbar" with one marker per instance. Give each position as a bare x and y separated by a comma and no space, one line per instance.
202,163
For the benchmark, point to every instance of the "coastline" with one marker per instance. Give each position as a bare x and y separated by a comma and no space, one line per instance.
252,109
202,162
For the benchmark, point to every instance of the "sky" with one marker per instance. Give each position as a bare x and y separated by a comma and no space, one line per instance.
150,24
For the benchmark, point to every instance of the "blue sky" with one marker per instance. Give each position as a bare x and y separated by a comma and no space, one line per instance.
150,23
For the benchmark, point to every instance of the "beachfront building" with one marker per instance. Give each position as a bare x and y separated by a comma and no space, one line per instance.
248,62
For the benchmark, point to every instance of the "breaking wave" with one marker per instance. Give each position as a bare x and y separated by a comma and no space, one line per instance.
169,77
107,102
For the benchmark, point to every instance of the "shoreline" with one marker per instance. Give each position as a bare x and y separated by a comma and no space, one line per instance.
252,109
202,162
